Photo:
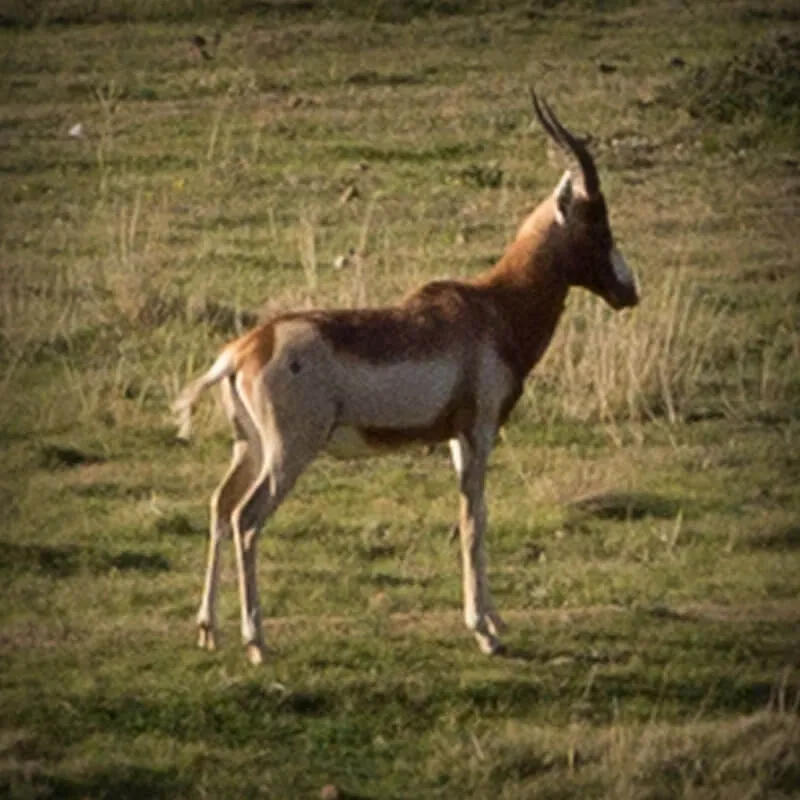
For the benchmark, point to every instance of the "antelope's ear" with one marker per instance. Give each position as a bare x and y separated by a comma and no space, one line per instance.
563,195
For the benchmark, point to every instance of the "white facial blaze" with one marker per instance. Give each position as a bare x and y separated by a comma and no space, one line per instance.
622,272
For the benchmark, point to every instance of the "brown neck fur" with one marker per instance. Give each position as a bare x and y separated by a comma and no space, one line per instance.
528,286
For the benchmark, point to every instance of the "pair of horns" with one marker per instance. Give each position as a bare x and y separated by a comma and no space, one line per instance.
569,142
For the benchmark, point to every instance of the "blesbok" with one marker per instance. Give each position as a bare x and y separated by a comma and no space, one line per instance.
446,364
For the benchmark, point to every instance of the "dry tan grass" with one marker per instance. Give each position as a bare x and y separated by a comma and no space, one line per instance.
715,759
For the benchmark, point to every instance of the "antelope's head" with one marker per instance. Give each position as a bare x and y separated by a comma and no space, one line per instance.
590,257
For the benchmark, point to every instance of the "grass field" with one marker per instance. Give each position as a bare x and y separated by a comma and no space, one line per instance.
644,540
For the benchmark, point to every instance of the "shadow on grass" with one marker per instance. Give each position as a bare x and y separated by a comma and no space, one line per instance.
374,552
372,78
178,524
623,506
677,697
119,782
64,561
532,655
235,716
55,456
784,539
255,698
385,580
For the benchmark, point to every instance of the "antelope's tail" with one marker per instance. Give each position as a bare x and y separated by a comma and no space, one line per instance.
223,367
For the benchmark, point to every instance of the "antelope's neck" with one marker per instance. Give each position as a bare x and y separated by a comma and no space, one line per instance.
529,291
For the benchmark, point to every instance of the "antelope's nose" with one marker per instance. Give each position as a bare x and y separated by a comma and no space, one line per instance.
626,298
626,289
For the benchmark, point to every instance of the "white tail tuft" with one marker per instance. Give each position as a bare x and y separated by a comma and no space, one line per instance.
223,367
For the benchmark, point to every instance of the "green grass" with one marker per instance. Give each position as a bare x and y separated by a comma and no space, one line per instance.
644,500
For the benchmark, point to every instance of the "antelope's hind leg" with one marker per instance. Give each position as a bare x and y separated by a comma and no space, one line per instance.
293,428
224,500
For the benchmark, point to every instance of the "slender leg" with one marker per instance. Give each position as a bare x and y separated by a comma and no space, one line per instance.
459,452
291,415
289,449
263,499
245,534
479,613
457,456
223,501
254,651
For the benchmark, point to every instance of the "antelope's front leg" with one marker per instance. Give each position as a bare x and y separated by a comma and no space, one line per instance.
479,614
459,452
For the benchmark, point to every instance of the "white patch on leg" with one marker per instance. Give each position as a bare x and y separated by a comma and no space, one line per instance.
622,272
472,619
457,456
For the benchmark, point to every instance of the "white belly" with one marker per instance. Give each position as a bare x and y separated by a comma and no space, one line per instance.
401,395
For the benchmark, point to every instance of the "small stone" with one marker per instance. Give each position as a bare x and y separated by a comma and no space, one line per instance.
329,792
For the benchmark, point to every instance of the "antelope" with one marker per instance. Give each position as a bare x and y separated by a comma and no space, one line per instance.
447,363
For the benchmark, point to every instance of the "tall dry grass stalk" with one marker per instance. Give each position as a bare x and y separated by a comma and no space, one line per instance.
651,363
